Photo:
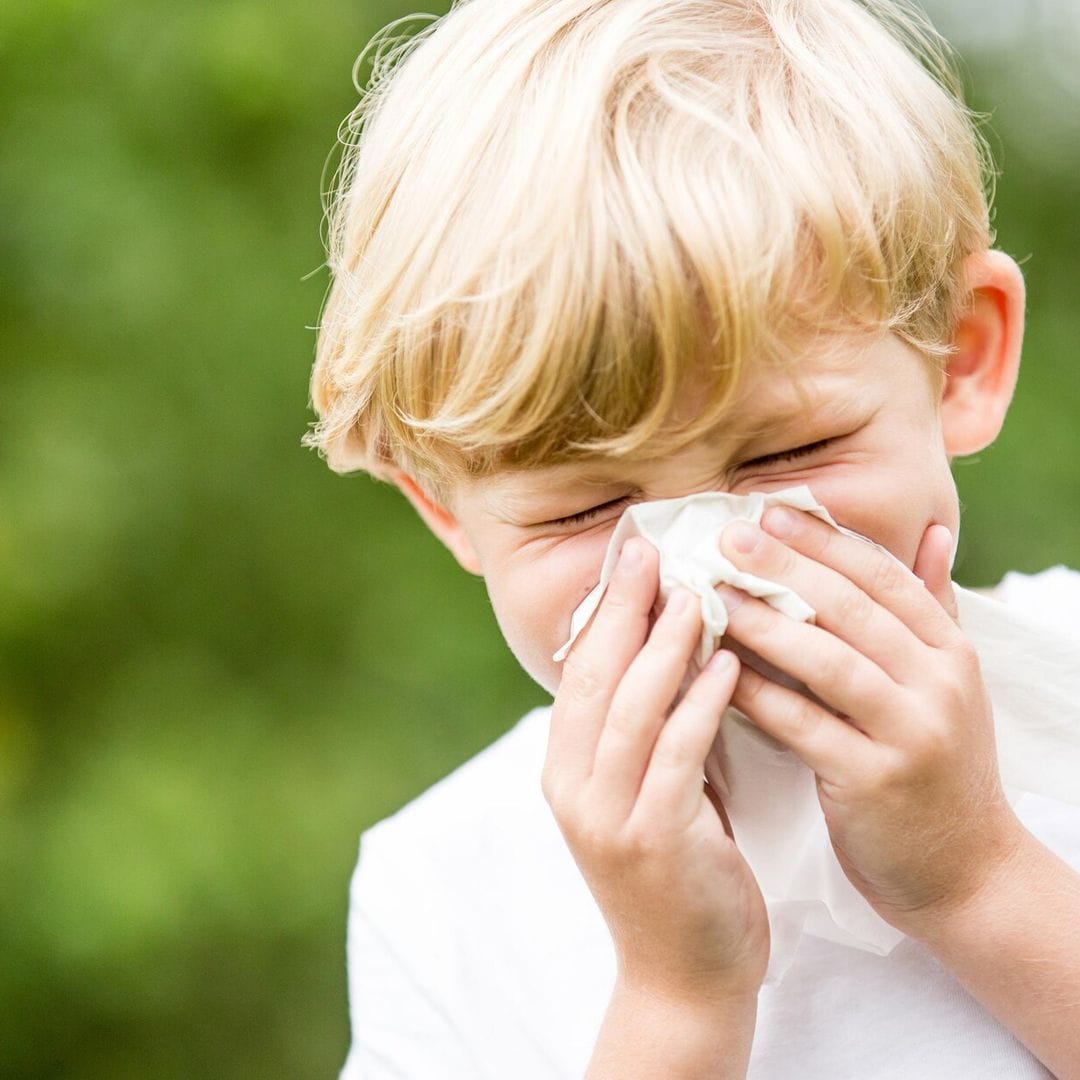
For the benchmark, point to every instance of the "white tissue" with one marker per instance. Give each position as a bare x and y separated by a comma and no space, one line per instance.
686,533
770,796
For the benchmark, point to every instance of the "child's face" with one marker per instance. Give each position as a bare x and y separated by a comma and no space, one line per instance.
862,427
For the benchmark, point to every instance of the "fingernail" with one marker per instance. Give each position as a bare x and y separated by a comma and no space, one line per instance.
780,522
744,536
730,598
630,556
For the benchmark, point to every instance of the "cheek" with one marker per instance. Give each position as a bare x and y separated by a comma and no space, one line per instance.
526,619
533,602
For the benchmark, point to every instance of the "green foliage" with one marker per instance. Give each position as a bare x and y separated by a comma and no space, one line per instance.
218,662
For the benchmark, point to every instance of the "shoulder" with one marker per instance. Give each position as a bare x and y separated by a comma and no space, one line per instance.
474,947
469,826
1051,597
444,888
503,776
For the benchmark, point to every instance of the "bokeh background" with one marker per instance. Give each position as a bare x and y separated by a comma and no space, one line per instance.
219,662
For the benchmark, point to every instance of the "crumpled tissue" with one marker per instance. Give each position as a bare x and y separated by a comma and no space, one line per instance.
1031,672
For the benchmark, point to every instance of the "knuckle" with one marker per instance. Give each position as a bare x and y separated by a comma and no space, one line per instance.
889,778
639,842
966,657
584,834
558,800
786,559
566,819
952,689
887,577
929,750
854,607
674,751
959,680
617,847
582,677
801,719
622,720
928,743
838,667
588,836
751,686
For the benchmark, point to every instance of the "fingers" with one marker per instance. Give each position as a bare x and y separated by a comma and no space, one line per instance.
598,662
640,705
860,593
672,786
834,671
830,746
841,606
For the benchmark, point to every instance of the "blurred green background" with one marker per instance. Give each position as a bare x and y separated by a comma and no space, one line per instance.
217,662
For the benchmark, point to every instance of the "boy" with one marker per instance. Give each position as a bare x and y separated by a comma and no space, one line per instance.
594,253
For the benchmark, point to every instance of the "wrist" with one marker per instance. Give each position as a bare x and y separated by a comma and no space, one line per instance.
992,890
721,1000
1009,946
652,1031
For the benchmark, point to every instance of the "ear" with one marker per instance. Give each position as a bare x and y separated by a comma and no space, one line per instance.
981,372
440,521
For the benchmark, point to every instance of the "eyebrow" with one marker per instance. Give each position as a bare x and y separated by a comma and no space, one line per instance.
826,411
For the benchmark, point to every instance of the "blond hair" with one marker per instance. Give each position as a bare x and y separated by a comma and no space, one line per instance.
553,216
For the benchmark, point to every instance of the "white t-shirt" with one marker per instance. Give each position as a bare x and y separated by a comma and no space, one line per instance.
476,951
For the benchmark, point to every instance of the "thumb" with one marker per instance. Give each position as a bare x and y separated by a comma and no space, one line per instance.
933,565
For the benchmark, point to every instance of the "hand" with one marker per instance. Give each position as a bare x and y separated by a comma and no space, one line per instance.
902,741
625,782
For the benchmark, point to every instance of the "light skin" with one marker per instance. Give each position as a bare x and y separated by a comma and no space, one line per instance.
902,744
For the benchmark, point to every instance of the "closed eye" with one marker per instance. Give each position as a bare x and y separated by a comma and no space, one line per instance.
590,513
790,455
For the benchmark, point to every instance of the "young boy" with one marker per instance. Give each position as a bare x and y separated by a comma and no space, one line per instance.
593,253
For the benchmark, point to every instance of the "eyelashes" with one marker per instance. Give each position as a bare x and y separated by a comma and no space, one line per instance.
790,455
591,512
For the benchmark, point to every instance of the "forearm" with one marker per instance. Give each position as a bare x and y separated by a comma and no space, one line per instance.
645,1037
1016,947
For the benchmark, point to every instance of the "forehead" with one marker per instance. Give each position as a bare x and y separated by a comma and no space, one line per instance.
831,380
824,391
